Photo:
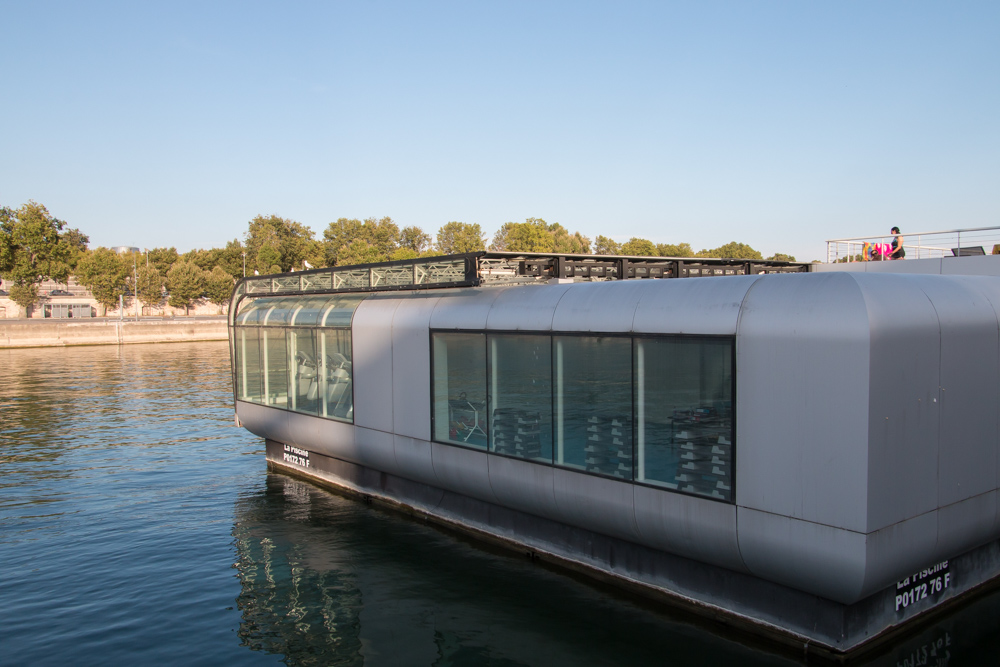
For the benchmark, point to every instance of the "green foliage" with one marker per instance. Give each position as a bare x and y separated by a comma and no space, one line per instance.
605,246
149,286
348,239
403,253
414,239
781,257
456,238
532,235
106,274
732,250
563,241
186,282
638,247
219,286
162,259
287,240
24,295
359,251
674,250
32,249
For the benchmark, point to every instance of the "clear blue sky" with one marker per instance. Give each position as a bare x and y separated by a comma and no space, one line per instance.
778,124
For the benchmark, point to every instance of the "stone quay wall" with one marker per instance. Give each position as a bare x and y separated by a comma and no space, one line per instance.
67,332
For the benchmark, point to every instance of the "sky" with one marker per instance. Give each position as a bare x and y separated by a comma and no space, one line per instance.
779,124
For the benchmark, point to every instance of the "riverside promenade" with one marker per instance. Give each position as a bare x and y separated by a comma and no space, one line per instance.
20,333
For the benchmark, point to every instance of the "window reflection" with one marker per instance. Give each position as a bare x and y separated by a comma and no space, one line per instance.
521,396
684,410
460,389
594,404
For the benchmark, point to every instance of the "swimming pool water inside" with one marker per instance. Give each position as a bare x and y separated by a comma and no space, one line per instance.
138,525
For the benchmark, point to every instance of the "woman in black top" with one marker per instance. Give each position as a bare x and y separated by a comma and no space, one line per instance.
897,245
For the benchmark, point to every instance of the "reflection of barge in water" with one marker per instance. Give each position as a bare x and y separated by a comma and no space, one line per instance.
814,456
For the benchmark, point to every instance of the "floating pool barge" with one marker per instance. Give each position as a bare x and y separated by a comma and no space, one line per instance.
812,457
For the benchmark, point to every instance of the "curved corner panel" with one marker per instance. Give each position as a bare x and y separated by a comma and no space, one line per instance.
703,306
605,307
411,359
413,460
375,449
264,421
695,528
464,308
826,561
371,338
526,308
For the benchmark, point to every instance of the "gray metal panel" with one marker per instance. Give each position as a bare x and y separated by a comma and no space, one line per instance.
413,460
464,308
604,307
970,360
411,363
375,449
598,504
526,308
692,305
371,336
896,551
904,407
984,265
802,399
991,289
808,556
693,527
523,485
325,436
966,525
263,421
463,471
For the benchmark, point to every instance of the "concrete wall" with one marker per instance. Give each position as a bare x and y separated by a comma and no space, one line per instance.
59,333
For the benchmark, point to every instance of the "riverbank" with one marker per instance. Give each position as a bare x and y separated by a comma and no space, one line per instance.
68,332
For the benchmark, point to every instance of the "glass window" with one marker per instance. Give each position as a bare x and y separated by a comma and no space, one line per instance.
335,388
520,370
275,365
684,413
593,404
248,375
460,388
303,381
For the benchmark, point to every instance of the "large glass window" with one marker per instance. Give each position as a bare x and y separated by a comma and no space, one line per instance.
335,389
248,375
304,374
593,404
275,365
520,371
684,414
460,388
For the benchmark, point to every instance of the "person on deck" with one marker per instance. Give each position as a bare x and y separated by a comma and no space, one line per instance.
897,245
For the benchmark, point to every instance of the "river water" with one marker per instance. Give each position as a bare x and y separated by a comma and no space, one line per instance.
139,525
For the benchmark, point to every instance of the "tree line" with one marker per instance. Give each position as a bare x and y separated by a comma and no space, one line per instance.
35,246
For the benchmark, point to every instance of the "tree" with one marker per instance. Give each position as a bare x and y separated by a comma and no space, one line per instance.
415,239
162,259
674,250
732,250
31,250
563,241
231,259
455,238
149,286
532,235
605,246
638,247
219,286
781,257
186,283
289,241
380,237
106,274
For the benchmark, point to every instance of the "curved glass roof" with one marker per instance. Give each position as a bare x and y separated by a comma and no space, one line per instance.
325,310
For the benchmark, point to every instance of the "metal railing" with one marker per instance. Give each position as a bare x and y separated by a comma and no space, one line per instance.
920,245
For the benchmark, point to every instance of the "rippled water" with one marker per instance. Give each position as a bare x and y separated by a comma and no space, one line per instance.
138,525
